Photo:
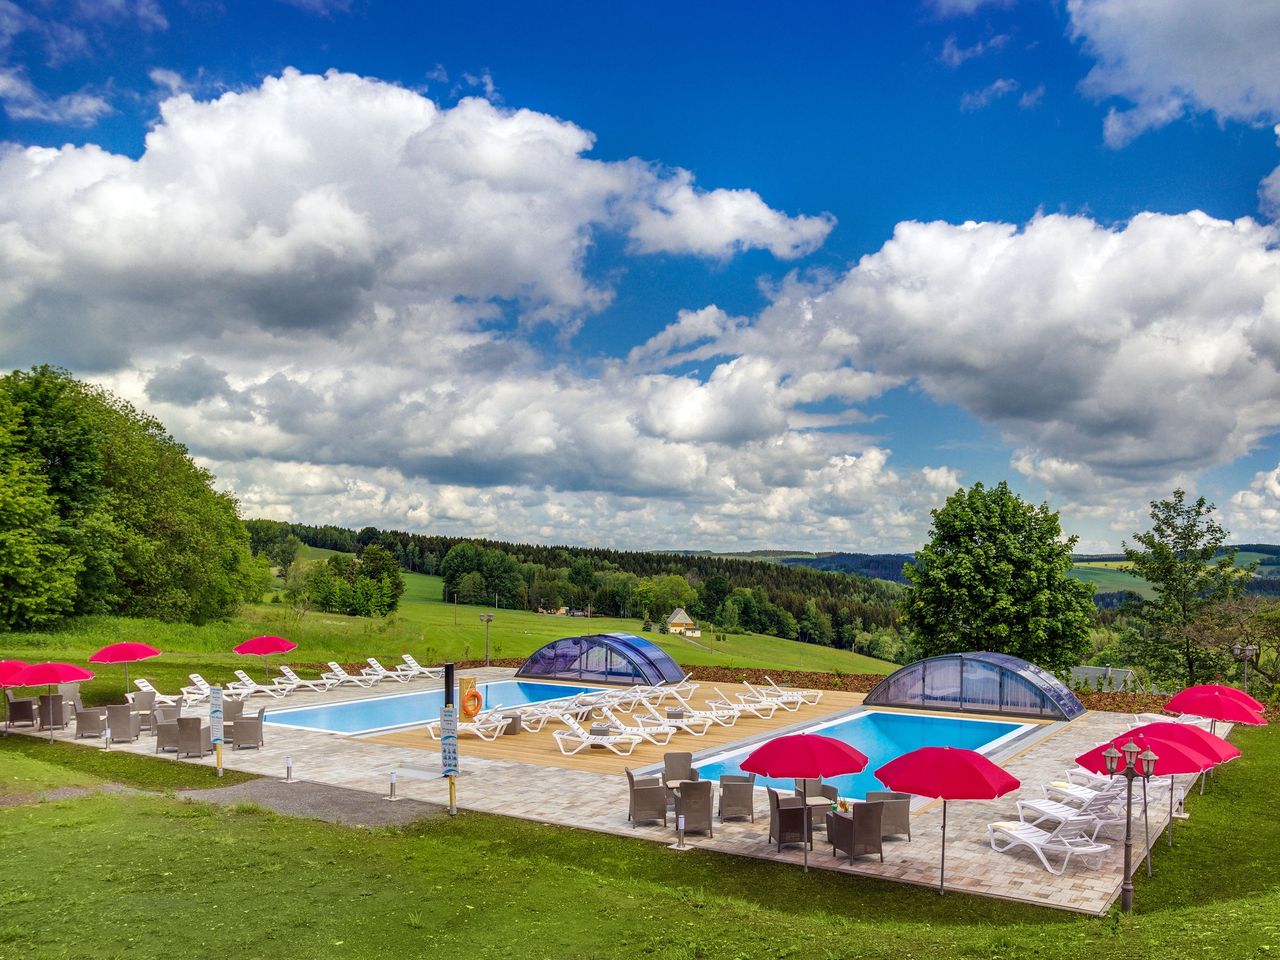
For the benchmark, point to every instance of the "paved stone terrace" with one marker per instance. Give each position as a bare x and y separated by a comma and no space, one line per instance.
596,801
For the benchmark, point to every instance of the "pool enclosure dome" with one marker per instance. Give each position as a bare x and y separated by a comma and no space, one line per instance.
977,683
621,658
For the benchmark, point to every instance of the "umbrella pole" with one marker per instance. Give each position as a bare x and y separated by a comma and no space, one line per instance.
1146,825
126,681
804,798
1171,791
51,715
942,864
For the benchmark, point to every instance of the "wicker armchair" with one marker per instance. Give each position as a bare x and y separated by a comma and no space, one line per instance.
90,723
786,820
142,703
897,811
693,802
19,709
193,737
248,731
857,833
678,766
738,796
164,723
53,711
646,799
123,722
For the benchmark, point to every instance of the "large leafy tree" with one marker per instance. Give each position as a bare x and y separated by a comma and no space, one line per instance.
37,571
995,576
142,523
1185,559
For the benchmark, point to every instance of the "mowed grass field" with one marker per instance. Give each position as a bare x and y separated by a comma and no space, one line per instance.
156,876
426,626
1111,576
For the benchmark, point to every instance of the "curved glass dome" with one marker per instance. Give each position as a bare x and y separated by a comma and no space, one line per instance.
977,683
620,658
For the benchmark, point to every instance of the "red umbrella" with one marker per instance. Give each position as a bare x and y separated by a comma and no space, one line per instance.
265,646
1232,693
1210,745
1212,703
10,668
126,653
801,756
948,773
40,674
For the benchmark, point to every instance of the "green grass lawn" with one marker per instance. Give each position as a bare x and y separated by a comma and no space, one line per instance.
127,876
433,631
1109,576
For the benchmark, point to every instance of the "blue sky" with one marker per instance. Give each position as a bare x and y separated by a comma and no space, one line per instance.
667,275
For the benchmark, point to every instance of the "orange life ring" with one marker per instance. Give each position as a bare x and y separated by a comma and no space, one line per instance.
471,703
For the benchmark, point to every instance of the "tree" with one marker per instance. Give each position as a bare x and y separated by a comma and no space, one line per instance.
471,588
378,564
995,576
1184,559
37,572
284,552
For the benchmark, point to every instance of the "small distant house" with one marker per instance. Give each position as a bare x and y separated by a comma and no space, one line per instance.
680,622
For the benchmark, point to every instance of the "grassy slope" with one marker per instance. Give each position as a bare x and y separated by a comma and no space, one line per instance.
423,626
1109,577
271,887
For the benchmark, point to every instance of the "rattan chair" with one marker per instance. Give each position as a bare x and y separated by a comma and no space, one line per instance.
646,799
856,833
738,796
897,811
693,802
248,731
70,698
19,709
675,768
786,820
53,711
142,703
124,723
193,737
814,787
90,723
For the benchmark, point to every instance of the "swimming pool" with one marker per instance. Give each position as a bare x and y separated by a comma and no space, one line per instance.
410,709
881,736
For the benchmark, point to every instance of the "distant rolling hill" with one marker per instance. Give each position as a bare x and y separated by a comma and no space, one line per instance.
879,566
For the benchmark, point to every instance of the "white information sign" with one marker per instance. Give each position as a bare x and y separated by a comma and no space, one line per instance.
215,714
449,741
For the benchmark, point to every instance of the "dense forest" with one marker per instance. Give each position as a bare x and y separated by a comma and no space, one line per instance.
881,566
102,511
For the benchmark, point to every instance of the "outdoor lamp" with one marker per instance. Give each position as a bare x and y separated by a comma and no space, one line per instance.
1111,757
1147,763
1130,751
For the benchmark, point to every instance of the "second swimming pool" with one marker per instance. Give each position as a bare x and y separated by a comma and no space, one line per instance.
881,736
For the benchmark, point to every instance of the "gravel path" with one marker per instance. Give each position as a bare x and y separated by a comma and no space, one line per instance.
302,798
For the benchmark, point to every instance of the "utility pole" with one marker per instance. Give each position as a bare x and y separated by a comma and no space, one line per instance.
486,619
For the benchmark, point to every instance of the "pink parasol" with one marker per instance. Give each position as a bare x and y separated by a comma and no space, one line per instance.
127,652
947,773
41,674
802,756
263,647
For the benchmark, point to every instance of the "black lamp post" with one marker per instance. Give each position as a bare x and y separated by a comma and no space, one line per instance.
486,619
1136,764
1244,654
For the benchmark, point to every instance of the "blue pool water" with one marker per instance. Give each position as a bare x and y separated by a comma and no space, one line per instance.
408,709
881,736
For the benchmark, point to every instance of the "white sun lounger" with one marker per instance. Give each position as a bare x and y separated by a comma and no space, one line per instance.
1142,719
791,704
1067,840
764,709
660,734
810,697
431,673
486,726
249,686
199,691
724,714
161,698
1102,810
1075,795
375,669
698,726
575,739
338,675
292,682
